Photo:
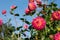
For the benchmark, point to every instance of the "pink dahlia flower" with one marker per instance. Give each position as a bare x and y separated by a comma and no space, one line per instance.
57,36
32,6
56,15
38,23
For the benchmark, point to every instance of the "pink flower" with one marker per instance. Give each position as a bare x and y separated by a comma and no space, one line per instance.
56,15
57,36
27,11
25,26
1,22
3,12
38,2
38,23
31,1
32,6
13,7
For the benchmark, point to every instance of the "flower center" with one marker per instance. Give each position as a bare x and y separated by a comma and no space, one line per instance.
38,23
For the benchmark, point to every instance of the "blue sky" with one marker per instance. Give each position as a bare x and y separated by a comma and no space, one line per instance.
22,5
5,4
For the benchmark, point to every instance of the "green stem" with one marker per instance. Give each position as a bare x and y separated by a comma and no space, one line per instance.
36,38
2,33
42,38
16,25
7,19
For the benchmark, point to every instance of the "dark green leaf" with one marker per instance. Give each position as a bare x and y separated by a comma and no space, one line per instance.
19,27
30,27
14,8
26,39
16,14
24,34
27,22
11,12
54,9
53,4
32,13
22,19
38,14
24,15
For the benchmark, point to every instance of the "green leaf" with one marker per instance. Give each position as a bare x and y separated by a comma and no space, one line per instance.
54,9
26,39
47,38
53,4
24,34
30,27
19,27
0,29
32,13
22,19
24,15
14,8
16,14
11,12
11,29
38,14
27,22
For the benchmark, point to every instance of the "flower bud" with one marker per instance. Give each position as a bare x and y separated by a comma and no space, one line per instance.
3,12
32,6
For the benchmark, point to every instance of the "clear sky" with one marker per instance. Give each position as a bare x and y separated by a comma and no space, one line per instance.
5,4
22,5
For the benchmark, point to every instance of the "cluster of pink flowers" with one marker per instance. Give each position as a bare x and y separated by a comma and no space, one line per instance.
32,6
4,12
12,7
38,23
